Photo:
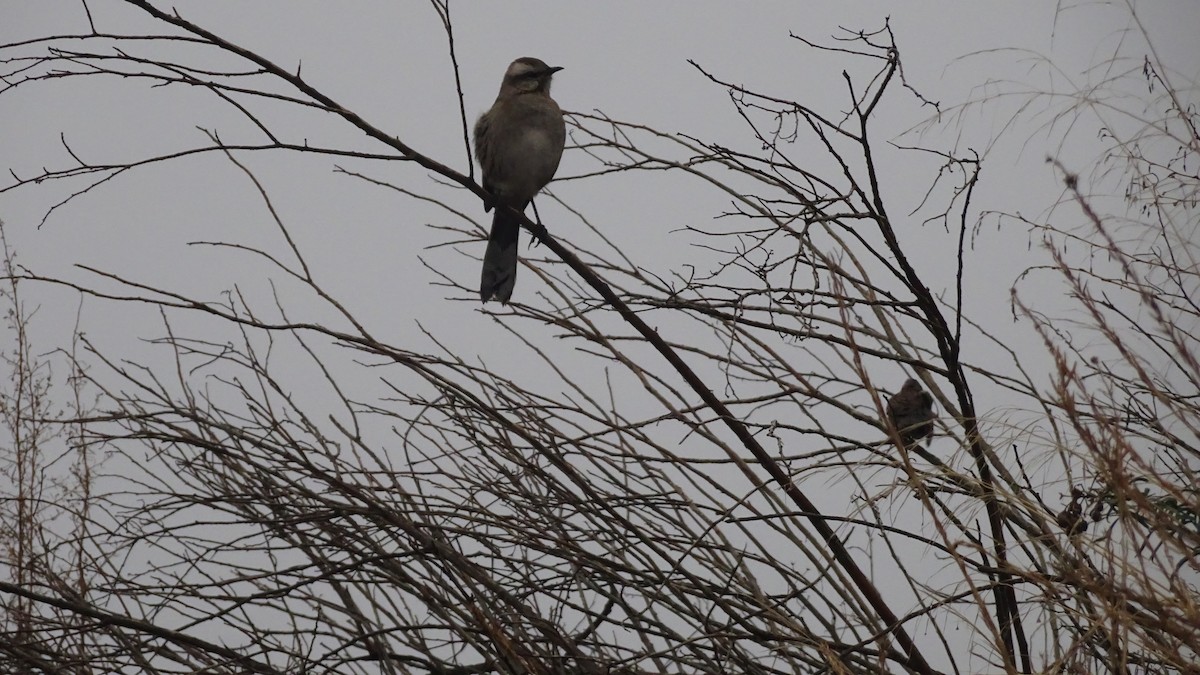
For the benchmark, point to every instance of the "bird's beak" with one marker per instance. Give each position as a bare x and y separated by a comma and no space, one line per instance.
553,69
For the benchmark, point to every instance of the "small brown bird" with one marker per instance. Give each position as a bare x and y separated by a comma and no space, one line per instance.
518,142
910,412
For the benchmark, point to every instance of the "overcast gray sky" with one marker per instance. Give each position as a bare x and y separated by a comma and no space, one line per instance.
388,61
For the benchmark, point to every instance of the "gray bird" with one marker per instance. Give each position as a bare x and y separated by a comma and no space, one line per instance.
518,143
910,412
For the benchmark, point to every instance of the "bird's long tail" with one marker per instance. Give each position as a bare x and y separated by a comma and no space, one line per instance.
500,260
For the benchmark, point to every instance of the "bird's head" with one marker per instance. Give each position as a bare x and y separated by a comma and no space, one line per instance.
528,74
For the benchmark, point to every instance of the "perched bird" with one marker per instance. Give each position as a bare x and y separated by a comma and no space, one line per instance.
910,412
518,143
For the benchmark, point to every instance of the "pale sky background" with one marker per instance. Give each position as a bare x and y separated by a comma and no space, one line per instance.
388,62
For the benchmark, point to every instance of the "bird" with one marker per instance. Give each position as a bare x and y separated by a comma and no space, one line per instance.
910,413
518,142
